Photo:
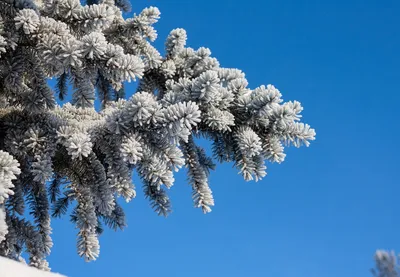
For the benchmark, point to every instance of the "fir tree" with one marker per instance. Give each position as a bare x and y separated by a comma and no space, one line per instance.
54,157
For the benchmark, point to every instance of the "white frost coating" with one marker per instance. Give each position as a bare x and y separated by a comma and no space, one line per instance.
9,168
28,20
3,226
10,268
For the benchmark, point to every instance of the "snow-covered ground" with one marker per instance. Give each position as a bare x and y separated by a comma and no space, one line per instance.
10,268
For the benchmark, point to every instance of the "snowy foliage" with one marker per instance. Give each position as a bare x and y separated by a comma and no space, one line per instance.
72,158
386,264
9,168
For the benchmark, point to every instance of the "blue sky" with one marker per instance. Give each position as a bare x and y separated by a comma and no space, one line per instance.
325,210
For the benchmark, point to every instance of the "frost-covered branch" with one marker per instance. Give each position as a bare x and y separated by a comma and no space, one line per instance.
54,159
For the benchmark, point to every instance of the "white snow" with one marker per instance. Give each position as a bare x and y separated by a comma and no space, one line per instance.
10,268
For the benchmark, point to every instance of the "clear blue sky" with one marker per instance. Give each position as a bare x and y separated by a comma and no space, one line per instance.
324,211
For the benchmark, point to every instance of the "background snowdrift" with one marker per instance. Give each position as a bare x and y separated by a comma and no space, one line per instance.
10,268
